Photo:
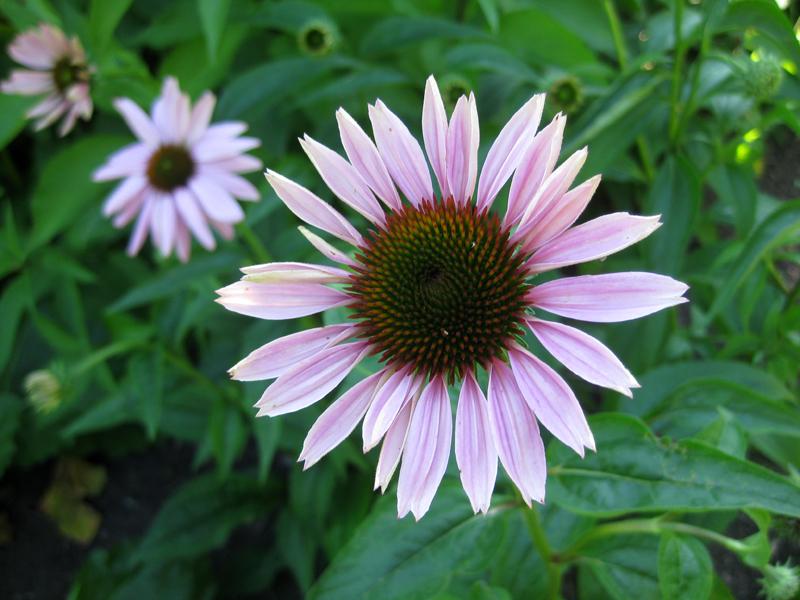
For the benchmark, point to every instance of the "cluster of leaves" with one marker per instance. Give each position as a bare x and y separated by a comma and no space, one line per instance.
663,93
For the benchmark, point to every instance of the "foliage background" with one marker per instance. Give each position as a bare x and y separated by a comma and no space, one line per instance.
150,469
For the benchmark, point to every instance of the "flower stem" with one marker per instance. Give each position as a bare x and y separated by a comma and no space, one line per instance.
258,251
539,539
677,69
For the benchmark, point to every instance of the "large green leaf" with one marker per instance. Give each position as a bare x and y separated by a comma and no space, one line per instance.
395,33
213,16
684,568
391,558
624,566
633,470
13,110
104,16
773,29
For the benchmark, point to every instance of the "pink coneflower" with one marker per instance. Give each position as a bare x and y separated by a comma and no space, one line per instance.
57,67
441,287
180,178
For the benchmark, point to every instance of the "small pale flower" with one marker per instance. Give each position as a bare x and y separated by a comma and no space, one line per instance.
56,68
181,178
440,287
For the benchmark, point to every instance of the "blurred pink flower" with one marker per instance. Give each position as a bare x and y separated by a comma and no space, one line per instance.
181,177
57,67
439,287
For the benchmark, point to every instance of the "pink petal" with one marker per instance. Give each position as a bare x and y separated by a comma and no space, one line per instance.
130,160
226,130
561,214
389,400
475,452
130,210
393,443
311,209
183,242
401,154
280,301
551,191
434,133
27,83
124,193
211,148
244,163
325,248
278,356
193,217
365,158
338,420
593,240
235,185
200,117
463,137
294,272
141,228
508,150
162,224
215,201
28,51
311,380
534,167
551,400
46,106
608,298
584,355
343,180
516,434
426,451
169,116
51,117
138,121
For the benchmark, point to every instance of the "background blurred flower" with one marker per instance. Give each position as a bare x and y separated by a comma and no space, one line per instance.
440,287
43,390
181,177
57,67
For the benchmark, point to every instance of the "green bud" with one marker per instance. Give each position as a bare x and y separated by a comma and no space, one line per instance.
566,93
317,37
453,86
780,582
43,390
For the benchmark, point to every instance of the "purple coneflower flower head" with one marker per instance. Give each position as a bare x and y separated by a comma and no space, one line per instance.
181,178
57,68
441,287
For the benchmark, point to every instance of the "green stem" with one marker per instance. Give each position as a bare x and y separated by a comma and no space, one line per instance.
705,45
653,526
677,69
103,354
622,58
257,250
539,539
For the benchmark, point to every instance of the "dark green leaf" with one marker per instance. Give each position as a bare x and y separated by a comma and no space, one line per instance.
104,16
213,15
625,567
13,109
395,33
10,411
684,568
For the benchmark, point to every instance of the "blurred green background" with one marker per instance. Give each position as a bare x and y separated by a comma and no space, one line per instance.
133,468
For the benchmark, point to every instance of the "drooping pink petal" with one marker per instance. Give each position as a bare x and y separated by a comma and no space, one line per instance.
393,444
338,420
46,106
130,209
294,272
516,434
388,401
343,180
187,205
124,193
364,156
278,356
61,107
426,450
463,137
200,117
280,301
401,154
325,248
561,214
311,209
141,228
183,242
434,133
235,185
534,167
608,298
508,150
550,191
28,51
130,160
584,355
311,380
140,124
475,452
593,240
551,400
217,203
162,223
